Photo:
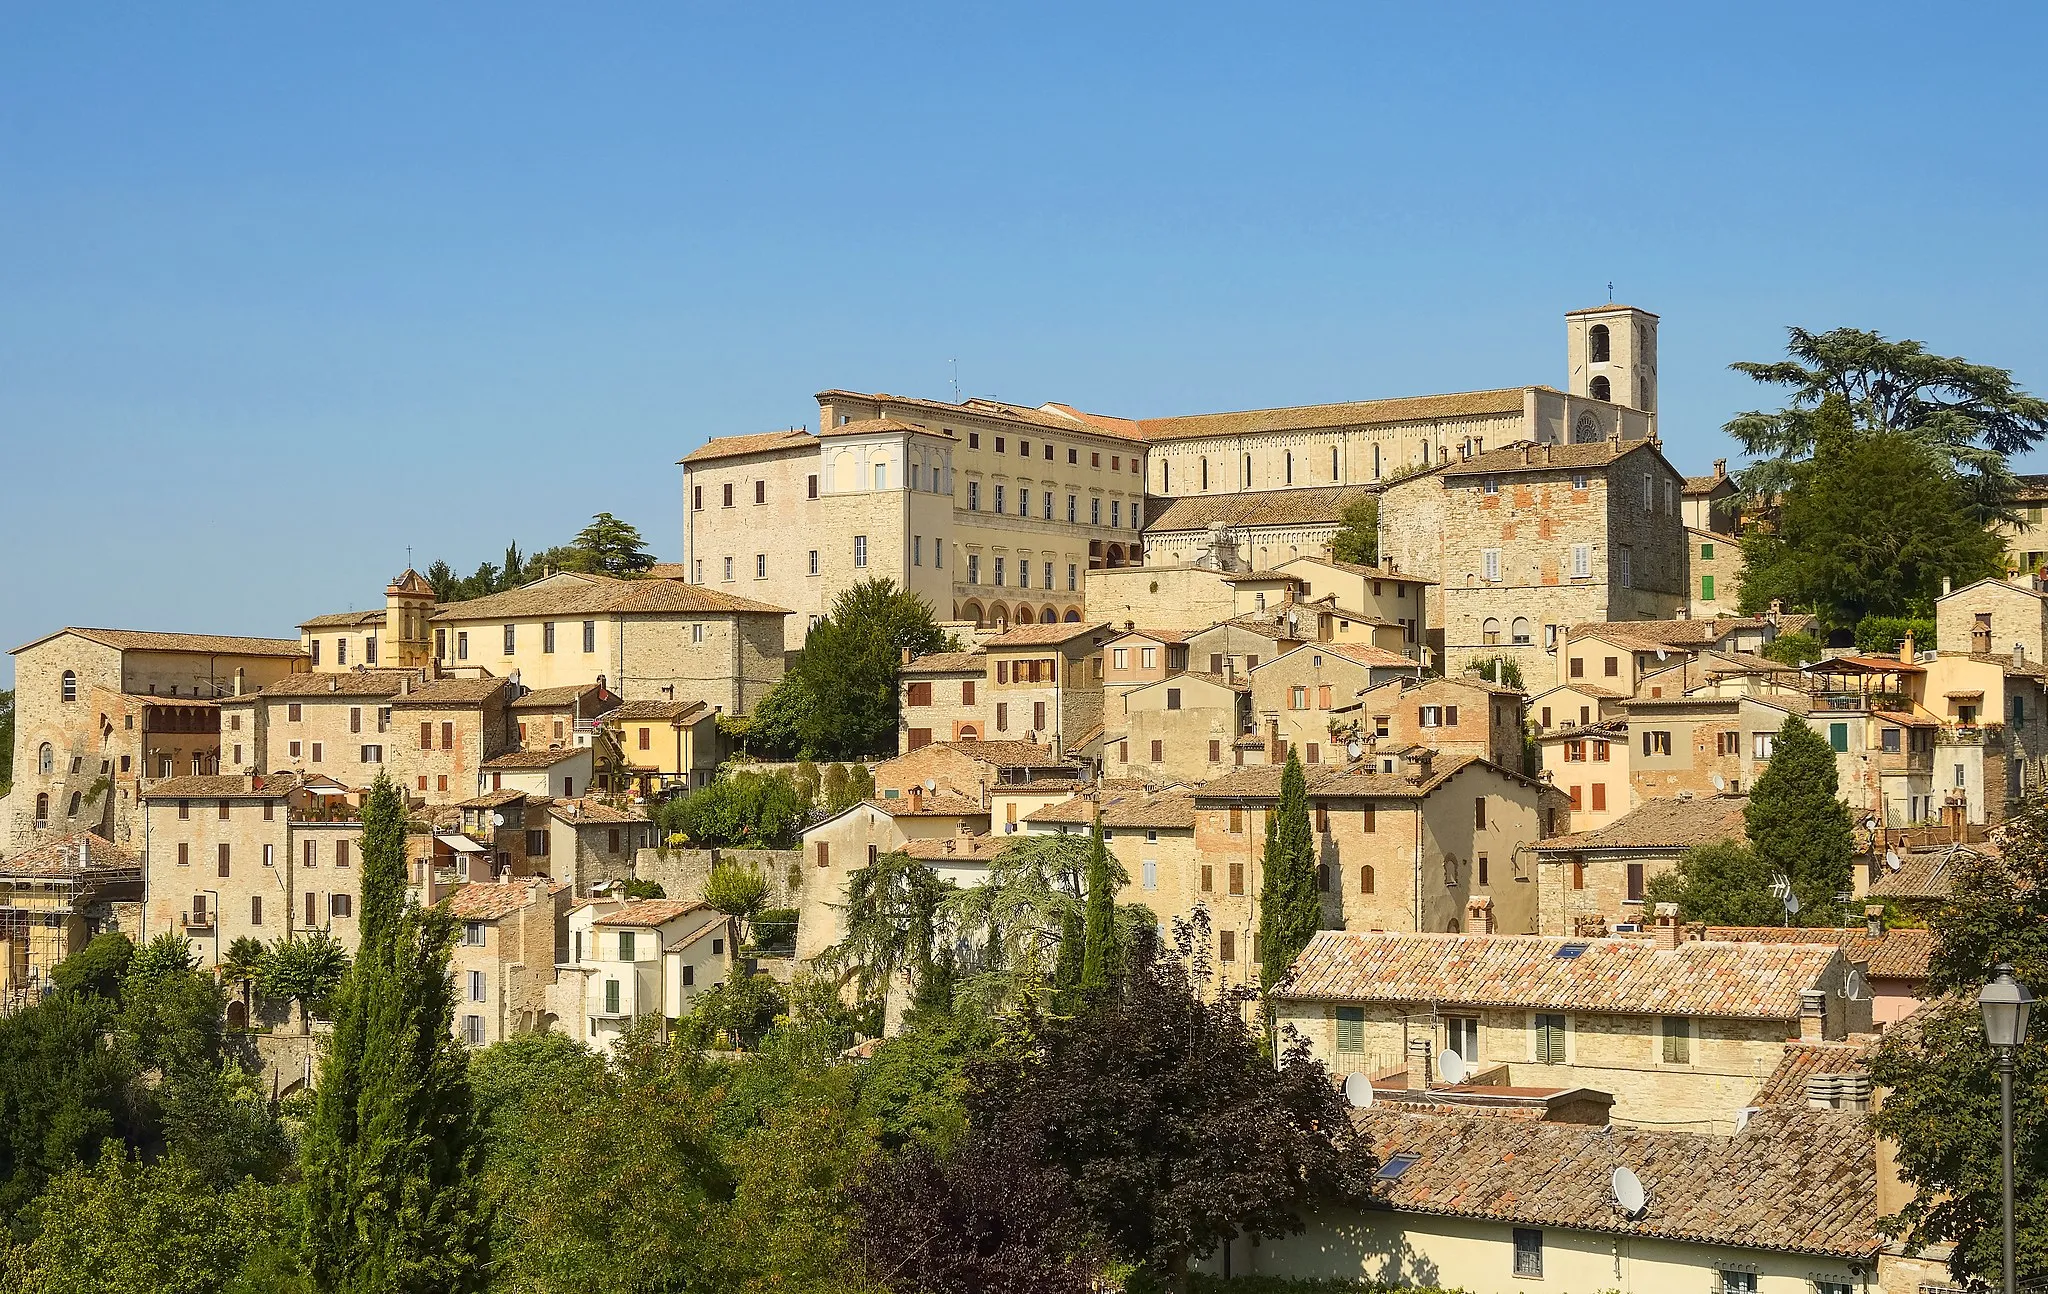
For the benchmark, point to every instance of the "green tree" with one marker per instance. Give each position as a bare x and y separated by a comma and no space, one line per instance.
913,1088
1793,649
833,786
62,1081
1971,416
1099,957
1870,524
1797,825
392,1156
609,546
1503,670
1941,1110
166,954
1290,906
173,1022
1025,908
738,890
891,923
849,668
743,811
1358,532
306,968
217,1120
1722,884
99,967
244,960
1883,635
123,1227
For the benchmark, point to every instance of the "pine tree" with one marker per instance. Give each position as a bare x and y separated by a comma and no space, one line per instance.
394,1149
1098,956
1290,909
1798,826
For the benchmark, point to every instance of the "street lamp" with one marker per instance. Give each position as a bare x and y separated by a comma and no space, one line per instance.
2005,1003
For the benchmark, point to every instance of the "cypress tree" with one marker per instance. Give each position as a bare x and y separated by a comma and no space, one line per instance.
393,1151
1066,968
1290,909
1798,826
1098,956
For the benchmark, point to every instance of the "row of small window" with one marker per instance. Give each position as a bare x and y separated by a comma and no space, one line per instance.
1245,474
1547,1037
1116,461
1581,567
295,712
296,750
341,651
511,633
1001,568
338,907
1116,506
310,854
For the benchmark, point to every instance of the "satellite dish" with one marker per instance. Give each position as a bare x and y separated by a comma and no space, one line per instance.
1628,1193
1720,782
1355,748
931,784
1661,655
1892,860
497,819
1358,1091
1450,1066
1792,905
1743,1115
1853,989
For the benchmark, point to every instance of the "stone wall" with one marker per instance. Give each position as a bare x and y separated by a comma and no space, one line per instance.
681,873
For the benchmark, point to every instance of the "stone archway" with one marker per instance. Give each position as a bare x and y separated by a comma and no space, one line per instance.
1025,615
1073,616
970,610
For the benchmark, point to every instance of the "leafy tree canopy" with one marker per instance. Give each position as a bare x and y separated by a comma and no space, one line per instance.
1290,905
738,890
1793,649
746,810
1723,884
99,967
850,664
306,968
1358,533
1797,826
609,546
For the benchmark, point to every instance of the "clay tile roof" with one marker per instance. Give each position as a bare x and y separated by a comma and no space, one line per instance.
1376,657
1891,954
1050,418
1923,874
1609,308
1696,485
553,698
1155,635
587,813
1324,782
669,710
1650,634
1622,976
345,619
221,788
1786,1085
453,692
1172,810
204,644
579,595
1667,823
512,759
935,804
1354,413
372,682
1315,505
1369,572
493,799
1801,1181
759,443
650,912
493,902
1044,635
948,662
977,849
1508,458
59,858
870,427
1007,754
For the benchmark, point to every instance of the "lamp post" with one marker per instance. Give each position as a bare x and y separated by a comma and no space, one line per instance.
2005,1004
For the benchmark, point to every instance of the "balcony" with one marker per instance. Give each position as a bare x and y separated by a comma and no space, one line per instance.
1971,734
1905,761
196,920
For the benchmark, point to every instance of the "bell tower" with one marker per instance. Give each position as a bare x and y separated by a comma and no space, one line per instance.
1611,355
408,601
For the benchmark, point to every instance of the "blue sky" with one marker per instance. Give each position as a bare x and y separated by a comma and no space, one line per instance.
284,291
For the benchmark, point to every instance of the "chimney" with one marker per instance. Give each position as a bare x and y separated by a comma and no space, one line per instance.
2019,656
240,674
906,655
1614,443
1479,916
1946,588
1720,469
1465,452
1418,1064
1546,451
1418,766
1525,452
952,844
1906,649
1667,926
334,685
1873,918
1777,609
917,799
405,683
965,830
1813,1015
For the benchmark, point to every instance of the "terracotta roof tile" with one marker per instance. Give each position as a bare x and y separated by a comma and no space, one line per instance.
1006,754
591,813
948,662
495,902
1559,458
1043,635
759,443
1314,505
1801,1181
493,799
512,759
59,858
1364,782
871,427
669,710
374,682
221,788
345,619
1355,413
453,692
1894,954
554,698
1925,873
650,912
977,849
1786,1085
204,644
1070,423
1169,810
1668,823
936,804
1620,976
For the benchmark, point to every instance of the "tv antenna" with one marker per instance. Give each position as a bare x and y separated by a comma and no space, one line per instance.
956,379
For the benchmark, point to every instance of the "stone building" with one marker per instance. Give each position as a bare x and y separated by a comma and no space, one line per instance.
555,718
1299,698
1458,715
631,960
1714,568
1600,875
1181,594
101,713
262,857
1379,593
334,723
1137,658
1528,539
1590,764
645,639
1252,531
665,744
1682,1033
503,961
445,732
54,898
393,636
1179,729
1044,683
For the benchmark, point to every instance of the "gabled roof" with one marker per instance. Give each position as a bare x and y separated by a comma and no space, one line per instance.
758,443
1051,418
1648,635
518,759
958,848
1546,458
1046,635
671,711
1355,568
934,804
1619,976
1889,954
1363,781
589,813
199,644
494,902
1311,505
1800,1181
55,859
870,427
224,787
1353,413
345,683
558,698
576,594
650,912
1786,1085
1004,754
1357,653
1168,810
1924,873
1699,485
345,619
442,692
1669,823
493,799
947,662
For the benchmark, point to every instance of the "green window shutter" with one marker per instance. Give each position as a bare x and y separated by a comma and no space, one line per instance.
625,945
1838,737
1550,1039
1706,552
1707,588
1351,1029
611,997
1677,1040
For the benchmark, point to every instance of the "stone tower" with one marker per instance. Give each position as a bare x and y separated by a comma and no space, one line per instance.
408,639
1611,353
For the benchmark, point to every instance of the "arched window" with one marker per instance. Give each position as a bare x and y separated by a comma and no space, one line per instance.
1333,463
1489,632
1642,390
1596,344
968,732
1073,616
46,760
1453,927
70,686
1600,389
1205,474
1450,873
42,810
1365,879
73,810
1247,470
1166,478
1521,631
1290,467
